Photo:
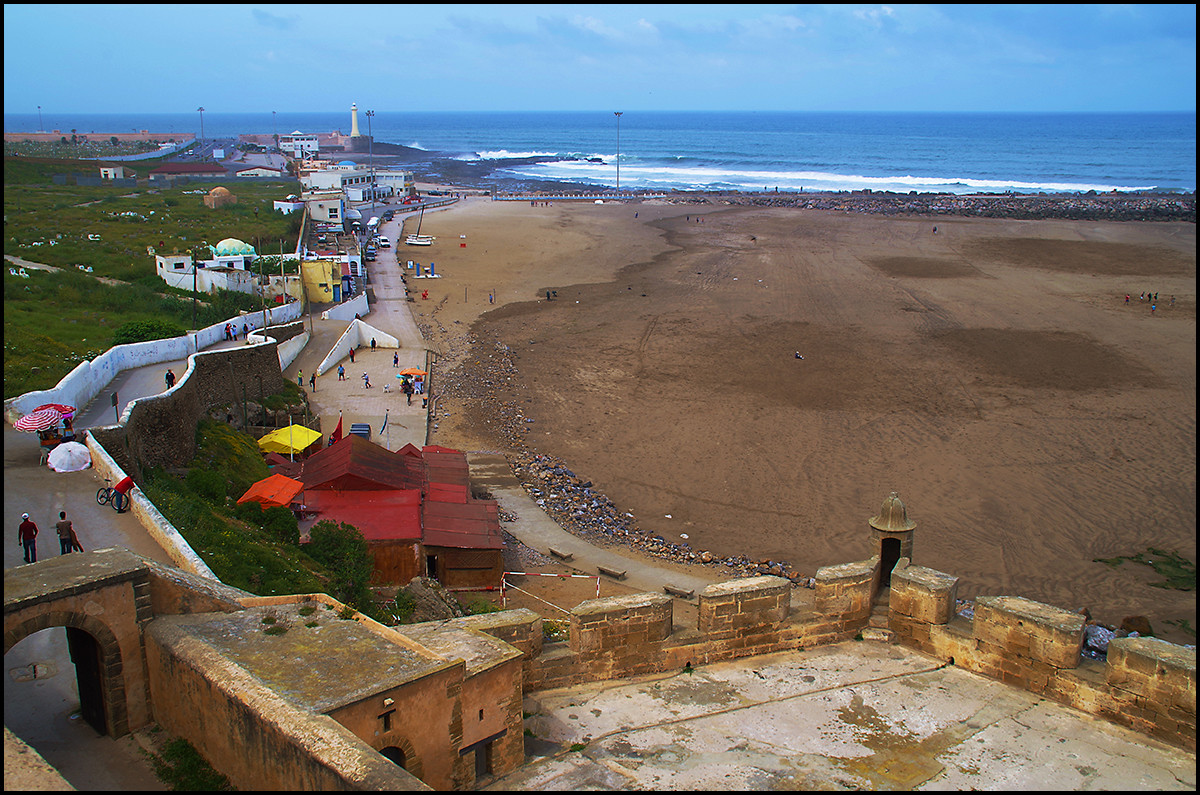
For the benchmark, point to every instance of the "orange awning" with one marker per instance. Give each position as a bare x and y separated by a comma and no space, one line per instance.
272,492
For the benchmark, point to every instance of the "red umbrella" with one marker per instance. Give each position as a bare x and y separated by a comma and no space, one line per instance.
38,421
61,408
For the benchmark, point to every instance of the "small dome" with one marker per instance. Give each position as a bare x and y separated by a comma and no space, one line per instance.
219,191
893,516
232,246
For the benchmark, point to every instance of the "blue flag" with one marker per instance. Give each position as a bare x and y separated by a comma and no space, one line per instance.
384,426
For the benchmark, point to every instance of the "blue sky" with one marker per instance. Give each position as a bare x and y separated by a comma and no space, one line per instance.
244,58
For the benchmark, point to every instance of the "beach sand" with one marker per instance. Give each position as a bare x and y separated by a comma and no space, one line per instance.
991,374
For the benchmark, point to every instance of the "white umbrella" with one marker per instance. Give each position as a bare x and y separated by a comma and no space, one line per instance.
70,457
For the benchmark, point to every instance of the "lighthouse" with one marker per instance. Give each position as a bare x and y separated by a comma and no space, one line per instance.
354,133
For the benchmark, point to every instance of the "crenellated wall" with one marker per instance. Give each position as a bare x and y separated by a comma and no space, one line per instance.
1146,684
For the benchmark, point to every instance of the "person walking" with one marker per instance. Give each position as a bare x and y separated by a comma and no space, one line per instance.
341,373
67,540
300,378
27,538
170,379
407,387
312,382
351,356
366,381
372,344
396,359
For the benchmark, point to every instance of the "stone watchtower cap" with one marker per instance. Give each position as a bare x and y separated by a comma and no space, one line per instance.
893,517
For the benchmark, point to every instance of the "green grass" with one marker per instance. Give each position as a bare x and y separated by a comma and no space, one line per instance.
181,767
1179,572
54,321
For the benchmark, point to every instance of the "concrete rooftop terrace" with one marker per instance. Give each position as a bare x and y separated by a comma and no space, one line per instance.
344,660
855,715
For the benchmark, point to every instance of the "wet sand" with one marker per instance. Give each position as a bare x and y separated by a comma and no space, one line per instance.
990,373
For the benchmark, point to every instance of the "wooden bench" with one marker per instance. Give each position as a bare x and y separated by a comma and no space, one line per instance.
558,553
682,593
616,574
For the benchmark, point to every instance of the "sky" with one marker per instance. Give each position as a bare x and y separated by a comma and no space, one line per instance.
112,58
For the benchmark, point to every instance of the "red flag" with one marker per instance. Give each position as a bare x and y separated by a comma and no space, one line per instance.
337,432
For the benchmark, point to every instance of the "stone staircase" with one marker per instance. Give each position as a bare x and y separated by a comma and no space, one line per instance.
877,626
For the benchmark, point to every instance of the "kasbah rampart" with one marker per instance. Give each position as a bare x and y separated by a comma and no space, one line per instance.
328,704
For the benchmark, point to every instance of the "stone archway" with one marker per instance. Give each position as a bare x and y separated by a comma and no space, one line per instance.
106,690
402,752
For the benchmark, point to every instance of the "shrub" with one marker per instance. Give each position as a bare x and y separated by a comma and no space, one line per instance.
281,523
342,550
208,484
145,330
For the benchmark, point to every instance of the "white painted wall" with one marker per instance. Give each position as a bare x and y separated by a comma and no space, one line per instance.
89,379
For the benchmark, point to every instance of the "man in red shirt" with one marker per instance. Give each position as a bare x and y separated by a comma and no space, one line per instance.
27,536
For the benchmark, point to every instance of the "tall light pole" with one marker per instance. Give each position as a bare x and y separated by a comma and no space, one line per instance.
274,130
371,157
41,127
618,113
201,109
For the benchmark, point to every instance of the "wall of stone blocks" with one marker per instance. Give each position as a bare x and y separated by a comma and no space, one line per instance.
848,590
1146,684
223,711
161,430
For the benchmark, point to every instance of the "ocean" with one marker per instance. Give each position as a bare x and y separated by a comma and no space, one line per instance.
753,151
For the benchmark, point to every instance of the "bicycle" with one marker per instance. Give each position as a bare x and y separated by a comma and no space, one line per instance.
108,495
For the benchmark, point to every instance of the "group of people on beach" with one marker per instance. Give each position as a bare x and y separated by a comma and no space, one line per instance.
1151,297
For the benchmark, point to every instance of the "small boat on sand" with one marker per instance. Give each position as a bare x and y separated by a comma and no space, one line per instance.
419,240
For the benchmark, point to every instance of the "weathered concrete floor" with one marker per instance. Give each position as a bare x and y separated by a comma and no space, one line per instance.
850,716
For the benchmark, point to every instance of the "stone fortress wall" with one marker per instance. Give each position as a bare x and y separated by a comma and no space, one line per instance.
1146,684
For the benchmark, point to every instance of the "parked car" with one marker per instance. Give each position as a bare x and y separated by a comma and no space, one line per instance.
384,242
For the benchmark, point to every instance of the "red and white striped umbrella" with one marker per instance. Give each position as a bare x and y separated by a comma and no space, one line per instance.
61,408
40,420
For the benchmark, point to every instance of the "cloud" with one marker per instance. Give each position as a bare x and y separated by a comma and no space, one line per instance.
268,20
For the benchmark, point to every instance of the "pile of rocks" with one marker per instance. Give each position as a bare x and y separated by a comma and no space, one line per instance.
485,385
578,507
1088,207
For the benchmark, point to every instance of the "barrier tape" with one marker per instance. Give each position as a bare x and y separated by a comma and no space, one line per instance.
504,584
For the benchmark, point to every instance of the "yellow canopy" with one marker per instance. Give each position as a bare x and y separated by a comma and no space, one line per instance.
292,439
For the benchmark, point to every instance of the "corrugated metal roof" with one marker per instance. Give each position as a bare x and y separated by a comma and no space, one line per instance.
355,463
379,515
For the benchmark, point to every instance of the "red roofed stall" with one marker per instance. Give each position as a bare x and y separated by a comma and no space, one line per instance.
414,507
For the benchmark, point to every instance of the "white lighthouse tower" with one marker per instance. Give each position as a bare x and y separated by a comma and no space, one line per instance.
354,133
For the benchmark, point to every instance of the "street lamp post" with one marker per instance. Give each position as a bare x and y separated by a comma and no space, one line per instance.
371,156
618,113
274,131
41,127
201,109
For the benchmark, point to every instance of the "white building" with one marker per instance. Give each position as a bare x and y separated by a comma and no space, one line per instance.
178,271
261,171
325,206
299,144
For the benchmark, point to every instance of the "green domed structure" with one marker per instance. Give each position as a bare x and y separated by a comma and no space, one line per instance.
231,246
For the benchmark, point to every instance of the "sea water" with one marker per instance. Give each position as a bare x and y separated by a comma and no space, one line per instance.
754,151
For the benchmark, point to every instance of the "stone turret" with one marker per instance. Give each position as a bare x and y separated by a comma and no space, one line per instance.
892,533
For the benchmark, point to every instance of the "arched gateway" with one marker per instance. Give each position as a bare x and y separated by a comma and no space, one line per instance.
101,598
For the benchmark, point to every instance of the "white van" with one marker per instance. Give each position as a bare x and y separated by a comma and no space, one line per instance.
384,242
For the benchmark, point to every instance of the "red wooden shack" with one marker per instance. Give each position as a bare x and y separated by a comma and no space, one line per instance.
413,506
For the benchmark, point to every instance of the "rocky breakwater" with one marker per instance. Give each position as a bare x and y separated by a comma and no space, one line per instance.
1078,207
484,385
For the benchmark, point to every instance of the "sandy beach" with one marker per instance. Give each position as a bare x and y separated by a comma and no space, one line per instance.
990,373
